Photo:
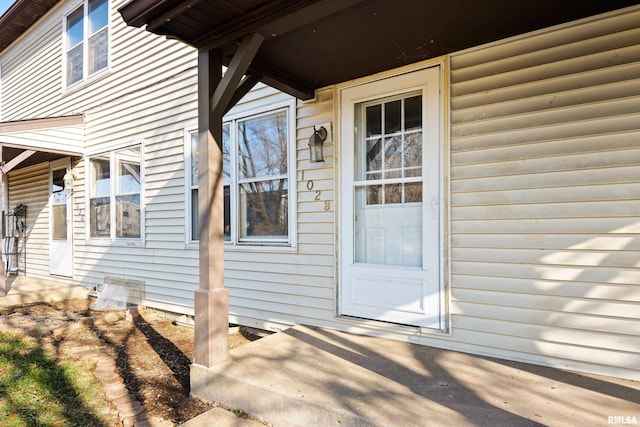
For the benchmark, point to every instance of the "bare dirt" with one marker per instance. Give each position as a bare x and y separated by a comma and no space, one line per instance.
152,353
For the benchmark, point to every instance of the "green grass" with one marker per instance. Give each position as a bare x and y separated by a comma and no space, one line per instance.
37,390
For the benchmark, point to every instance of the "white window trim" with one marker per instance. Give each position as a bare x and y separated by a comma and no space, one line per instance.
112,240
255,244
86,78
187,185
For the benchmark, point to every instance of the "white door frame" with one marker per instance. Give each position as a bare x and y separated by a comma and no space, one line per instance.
428,309
60,251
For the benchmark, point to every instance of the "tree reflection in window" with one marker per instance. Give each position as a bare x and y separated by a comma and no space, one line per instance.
262,176
393,151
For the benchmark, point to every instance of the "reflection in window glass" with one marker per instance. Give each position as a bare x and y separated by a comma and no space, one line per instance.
129,171
128,216
98,52
98,15
74,64
88,42
124,194
101,176
193,193
100,216
128,194
75,27
255,173
264,209
391,149
262,146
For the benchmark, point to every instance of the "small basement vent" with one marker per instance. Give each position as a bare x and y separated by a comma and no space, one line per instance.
119,294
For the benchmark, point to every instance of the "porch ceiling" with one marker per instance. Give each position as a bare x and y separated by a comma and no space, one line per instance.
315,43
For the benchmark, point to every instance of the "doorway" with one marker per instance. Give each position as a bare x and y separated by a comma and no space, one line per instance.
60,220
390,217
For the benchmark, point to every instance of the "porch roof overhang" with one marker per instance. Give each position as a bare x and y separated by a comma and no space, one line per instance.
20,16
28,142
309,44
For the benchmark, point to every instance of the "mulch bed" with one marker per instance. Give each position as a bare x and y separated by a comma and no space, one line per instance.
148,354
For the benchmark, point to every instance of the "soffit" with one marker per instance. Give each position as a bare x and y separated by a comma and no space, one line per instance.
311,44
20,17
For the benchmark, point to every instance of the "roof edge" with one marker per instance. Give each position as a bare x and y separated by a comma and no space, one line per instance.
44,123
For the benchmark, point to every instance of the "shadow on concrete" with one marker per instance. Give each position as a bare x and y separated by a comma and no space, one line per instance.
313,376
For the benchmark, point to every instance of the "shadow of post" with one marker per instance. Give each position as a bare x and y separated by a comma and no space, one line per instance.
169,353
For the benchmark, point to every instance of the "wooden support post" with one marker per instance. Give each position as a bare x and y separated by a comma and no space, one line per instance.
211,299
216,93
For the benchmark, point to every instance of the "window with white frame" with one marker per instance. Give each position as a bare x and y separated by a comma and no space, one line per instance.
115,201
87,40
257,173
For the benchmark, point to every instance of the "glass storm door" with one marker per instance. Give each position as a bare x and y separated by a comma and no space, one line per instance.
390,192
60,246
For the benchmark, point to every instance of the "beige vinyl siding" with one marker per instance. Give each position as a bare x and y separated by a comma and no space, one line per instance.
135,101
273,288
545,197
154,117
32,68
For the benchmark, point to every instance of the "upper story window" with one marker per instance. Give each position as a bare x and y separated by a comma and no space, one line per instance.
87,40
257,169
114,194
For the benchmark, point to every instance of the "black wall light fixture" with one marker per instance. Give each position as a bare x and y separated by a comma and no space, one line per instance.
316,141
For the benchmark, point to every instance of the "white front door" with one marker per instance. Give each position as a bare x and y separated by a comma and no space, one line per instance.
60,221
390,154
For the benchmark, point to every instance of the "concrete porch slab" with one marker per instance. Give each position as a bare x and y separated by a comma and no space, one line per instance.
309,376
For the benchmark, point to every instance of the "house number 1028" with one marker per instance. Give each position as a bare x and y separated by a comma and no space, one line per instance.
318,193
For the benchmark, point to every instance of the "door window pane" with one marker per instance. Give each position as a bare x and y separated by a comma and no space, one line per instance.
58,205
57,187
374,120
413,113
389,234
392,116
59,218
388,212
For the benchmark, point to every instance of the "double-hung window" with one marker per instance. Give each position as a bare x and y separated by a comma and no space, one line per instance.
257,169
114,204
87,40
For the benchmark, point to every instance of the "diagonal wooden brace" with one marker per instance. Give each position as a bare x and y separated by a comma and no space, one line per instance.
224,93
